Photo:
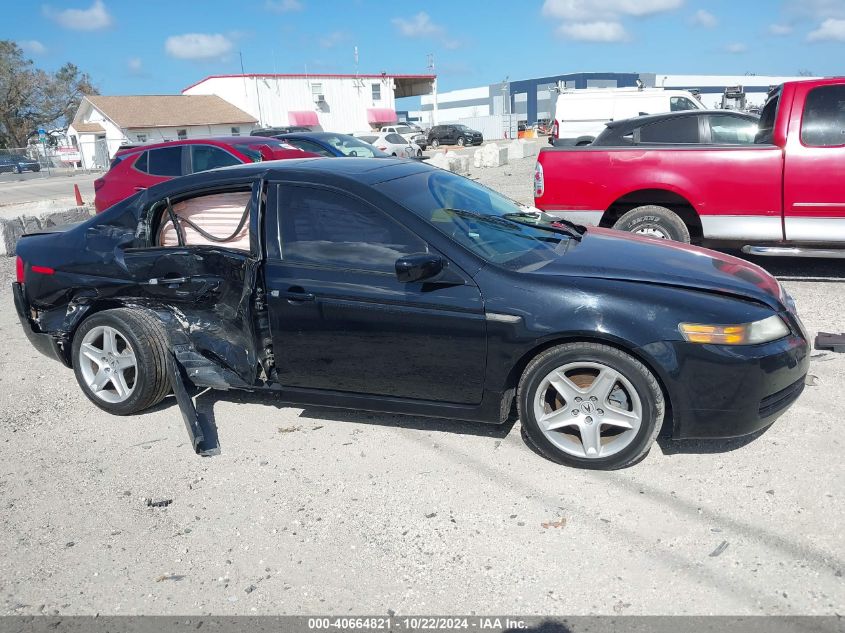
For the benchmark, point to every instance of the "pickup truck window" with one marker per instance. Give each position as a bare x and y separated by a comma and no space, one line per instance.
334,230
768,116
823,122
730,130
678,104
675,130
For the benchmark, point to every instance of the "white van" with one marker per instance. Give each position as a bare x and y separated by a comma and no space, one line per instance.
581,114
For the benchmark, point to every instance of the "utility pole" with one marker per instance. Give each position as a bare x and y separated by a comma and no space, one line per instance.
434,117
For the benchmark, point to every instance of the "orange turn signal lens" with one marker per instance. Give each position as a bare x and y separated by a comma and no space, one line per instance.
762,331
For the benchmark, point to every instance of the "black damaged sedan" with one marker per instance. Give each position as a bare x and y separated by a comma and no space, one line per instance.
394,286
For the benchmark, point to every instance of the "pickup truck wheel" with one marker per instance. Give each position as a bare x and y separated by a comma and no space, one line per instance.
590,405
120,360
654,221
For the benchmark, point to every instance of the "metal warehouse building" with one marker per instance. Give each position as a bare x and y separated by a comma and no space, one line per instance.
531,100
338,103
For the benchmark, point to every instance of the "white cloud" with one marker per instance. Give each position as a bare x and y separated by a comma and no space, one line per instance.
593,31
820,9
333,39
705,19
32,47
419,25
736,48
134,64
830,29
198,46
780,29
92,19
283,6
603,10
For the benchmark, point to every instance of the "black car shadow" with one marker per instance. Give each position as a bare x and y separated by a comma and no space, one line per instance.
205,401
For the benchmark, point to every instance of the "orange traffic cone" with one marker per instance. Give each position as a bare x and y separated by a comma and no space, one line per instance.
78,195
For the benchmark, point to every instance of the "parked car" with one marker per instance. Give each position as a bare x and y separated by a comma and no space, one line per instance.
134,169
391,144
717,127
781,196
454,134
287,129
18,163
395,286
332,144
409,133
581,114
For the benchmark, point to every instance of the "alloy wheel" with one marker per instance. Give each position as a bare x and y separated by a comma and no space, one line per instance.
588,409
108,364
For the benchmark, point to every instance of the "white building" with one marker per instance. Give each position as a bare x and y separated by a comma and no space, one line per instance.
103,123
337,103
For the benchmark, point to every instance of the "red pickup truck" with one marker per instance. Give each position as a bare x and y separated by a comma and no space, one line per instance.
783,195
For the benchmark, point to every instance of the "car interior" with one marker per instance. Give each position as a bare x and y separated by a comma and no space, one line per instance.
220,219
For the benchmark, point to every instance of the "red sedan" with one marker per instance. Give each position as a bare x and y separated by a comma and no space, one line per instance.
134,169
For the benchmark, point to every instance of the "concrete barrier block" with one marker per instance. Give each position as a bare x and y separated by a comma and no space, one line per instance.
522,149
477,158
494,155
11,228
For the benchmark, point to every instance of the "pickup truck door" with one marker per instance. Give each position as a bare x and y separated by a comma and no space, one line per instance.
340,319
814,170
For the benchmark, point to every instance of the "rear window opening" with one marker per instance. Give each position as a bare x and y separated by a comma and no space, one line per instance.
211,219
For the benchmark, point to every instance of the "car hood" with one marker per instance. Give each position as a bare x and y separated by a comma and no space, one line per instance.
609,254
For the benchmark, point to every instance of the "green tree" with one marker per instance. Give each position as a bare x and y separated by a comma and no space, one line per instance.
31,97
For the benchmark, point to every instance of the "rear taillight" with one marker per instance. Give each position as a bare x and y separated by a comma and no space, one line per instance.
19,270
555,130
98,184
539,180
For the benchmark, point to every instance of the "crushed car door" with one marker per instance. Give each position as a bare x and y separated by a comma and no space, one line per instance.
207,285
342,321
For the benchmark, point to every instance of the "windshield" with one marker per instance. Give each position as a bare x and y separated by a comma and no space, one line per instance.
403,129
493,227
351,146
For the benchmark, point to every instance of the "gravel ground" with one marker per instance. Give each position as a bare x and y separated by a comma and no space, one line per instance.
326,511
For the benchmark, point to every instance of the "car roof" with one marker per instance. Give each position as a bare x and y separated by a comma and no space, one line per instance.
208,140
368,171
639,121
313,135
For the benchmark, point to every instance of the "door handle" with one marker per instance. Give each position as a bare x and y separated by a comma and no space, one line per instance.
298,297
168,281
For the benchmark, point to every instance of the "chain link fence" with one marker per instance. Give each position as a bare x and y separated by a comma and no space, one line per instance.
52,160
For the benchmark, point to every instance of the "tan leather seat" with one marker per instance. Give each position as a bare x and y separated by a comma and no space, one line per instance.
217,214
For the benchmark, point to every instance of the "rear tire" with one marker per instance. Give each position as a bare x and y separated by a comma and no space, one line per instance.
435,143
590,405
461,141
654,221
139,356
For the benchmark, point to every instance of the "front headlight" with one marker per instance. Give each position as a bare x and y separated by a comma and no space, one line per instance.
769,329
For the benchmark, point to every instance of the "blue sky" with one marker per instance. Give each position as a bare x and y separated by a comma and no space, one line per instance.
162,46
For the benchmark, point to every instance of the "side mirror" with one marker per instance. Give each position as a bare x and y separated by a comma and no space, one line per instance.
418,267
266,152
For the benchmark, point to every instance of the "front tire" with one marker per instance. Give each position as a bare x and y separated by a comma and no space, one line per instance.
654,221
120,360
590,405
